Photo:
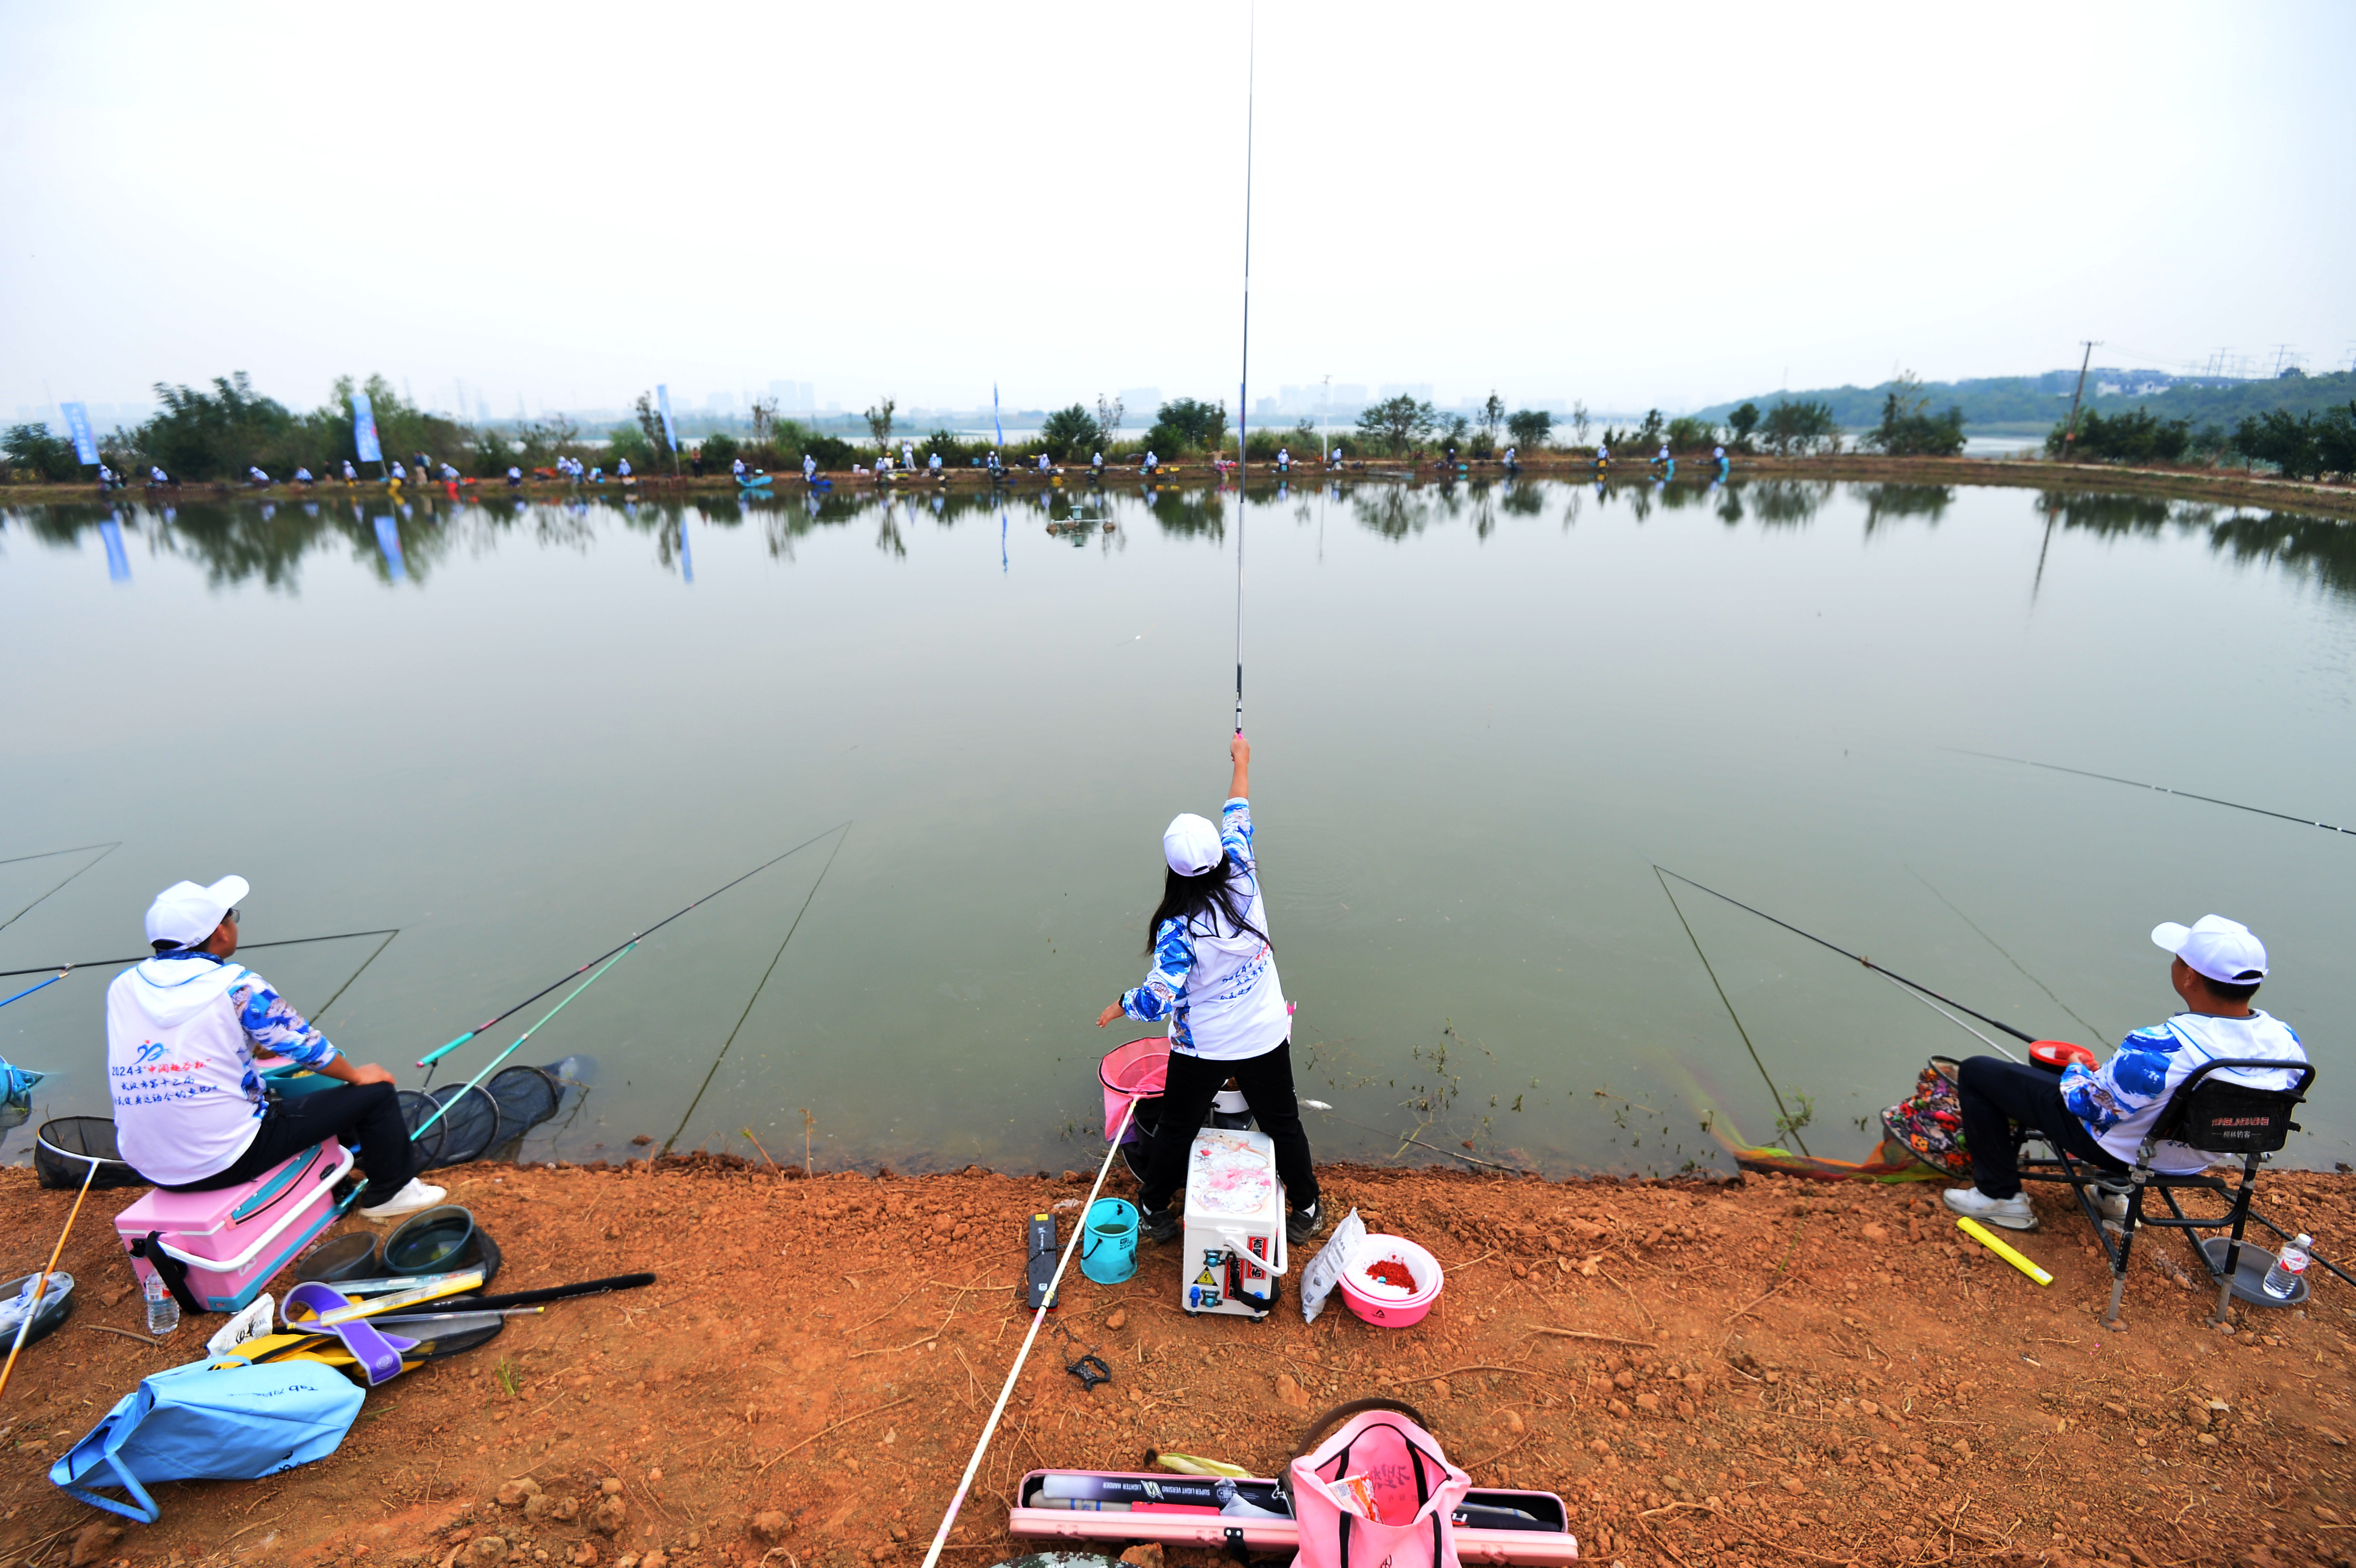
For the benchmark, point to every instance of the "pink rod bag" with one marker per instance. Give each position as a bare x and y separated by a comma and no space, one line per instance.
1491,1524
228,1243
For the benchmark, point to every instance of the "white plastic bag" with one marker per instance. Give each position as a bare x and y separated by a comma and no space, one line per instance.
1324,1270
250,1324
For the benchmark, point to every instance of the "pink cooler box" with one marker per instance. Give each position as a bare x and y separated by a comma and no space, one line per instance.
233,1240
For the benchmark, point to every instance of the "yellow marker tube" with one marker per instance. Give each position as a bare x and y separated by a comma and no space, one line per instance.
1987,1238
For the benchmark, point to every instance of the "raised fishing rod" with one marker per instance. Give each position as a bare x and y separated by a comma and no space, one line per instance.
2160,789
1243,384
242,948
627,948
430,1057
1859,957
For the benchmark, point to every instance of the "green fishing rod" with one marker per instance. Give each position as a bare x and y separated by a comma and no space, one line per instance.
627,948
430,1057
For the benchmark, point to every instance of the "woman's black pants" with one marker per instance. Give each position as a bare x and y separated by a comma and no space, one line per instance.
1267,1083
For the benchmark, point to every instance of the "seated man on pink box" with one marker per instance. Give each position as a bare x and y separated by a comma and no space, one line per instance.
189,1111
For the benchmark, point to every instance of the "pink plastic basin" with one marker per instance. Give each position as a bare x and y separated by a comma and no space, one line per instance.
1390,1305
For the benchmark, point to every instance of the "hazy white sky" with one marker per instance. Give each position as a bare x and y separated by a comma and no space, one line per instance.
1622,203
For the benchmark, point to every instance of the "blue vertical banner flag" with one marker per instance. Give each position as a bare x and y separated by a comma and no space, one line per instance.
388,542
662,401
364,429
686,560
78,424
118,564
999,424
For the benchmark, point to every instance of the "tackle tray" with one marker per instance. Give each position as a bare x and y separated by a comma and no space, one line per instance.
1545,1541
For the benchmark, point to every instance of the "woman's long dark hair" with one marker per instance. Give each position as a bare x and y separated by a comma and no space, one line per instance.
1196,898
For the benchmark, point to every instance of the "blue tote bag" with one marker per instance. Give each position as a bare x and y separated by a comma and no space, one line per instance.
222,1420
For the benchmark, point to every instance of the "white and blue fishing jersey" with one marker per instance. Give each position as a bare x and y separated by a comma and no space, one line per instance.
1217,985
2121,1100
180,1033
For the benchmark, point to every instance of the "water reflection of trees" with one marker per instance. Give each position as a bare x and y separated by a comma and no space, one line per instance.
1891,503
234,541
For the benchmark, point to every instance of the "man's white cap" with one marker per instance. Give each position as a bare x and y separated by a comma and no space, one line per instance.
2219,948
187,913
1192,845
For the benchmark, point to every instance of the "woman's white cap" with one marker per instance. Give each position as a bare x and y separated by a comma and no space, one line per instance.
187,913
2219,948
1192,845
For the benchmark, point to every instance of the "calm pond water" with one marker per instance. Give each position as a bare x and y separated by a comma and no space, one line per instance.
518,732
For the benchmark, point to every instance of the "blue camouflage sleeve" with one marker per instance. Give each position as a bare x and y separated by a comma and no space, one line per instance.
2135,1076
273,1025
1174,960
1236,831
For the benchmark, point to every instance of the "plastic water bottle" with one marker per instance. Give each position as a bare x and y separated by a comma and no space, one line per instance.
2282,1280
164,1312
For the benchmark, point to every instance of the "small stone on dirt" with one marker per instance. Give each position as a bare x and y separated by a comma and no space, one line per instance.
511,1494
1868,1406
97,1538
584,1555
1290,1393
564,1510
1648,1401
1514,1421
1120,1317
1792,1484
610,1516
769,1526
655,1559
611,1486
1876,1233
535,1507
1963,1449
1148,1555
486,1550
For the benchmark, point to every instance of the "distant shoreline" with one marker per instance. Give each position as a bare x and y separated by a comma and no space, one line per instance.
2017,473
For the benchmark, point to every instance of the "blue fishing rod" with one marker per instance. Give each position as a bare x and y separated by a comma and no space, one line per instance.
42,986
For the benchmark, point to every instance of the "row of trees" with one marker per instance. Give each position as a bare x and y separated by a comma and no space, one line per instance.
2303,446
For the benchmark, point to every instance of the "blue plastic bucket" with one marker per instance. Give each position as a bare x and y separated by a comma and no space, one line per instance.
1108,1241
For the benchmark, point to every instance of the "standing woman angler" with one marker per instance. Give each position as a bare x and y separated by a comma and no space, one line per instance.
1213,977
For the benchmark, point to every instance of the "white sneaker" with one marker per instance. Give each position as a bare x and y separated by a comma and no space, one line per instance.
2008,1214
412,1198
2110,1202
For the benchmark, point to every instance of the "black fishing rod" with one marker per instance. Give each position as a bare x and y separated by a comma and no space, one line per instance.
103,850
439,1052
2159,789
1910,985
388,930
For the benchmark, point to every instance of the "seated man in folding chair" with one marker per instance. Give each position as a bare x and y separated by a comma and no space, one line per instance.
2102,1116
189,1111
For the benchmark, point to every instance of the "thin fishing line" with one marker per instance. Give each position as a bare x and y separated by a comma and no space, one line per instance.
49,854
756,996
1952,1017
1859,958
2161,789
356,975
1243,386
1785,1124
430,1057
21,913
242,948
2008,958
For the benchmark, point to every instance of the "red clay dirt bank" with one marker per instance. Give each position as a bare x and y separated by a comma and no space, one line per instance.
1713,1376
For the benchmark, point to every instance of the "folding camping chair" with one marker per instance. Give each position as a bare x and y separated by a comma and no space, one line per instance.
2220,1118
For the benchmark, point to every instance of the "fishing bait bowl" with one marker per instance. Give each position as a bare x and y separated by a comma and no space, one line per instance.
2056,1055
348,1256
430,1243
1370,1287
